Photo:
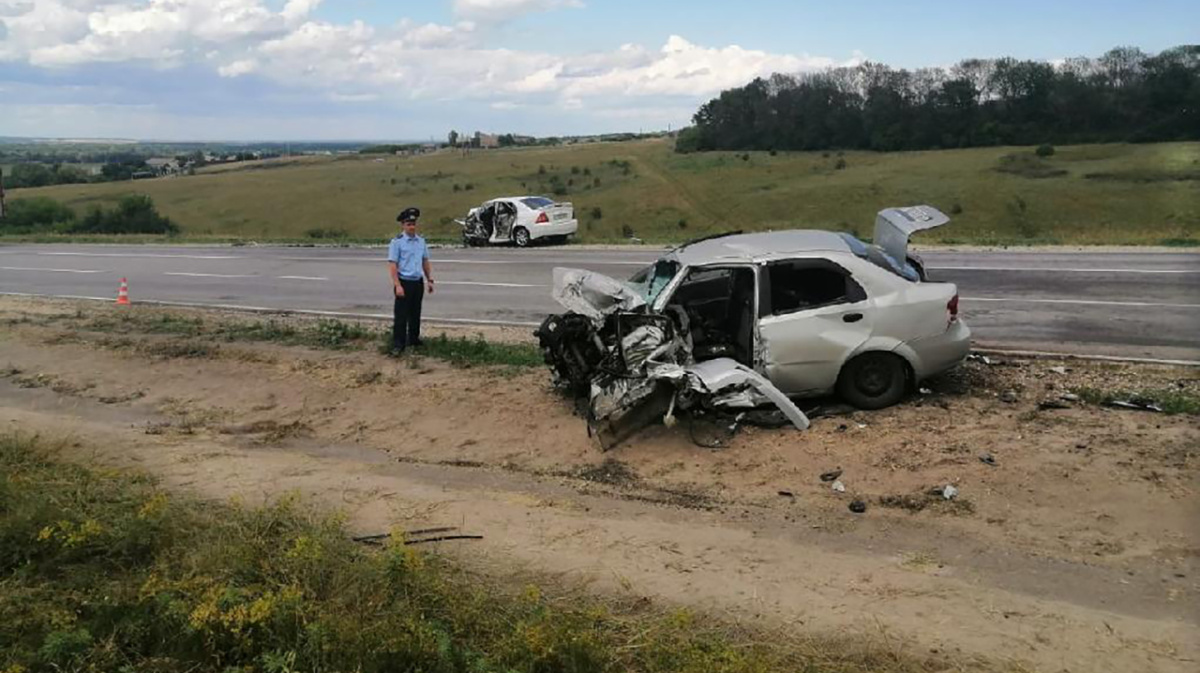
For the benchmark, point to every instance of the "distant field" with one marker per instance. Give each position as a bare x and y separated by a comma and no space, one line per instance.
1092,194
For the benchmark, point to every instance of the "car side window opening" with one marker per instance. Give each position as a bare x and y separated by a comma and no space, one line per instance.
806,284
719,304
506,215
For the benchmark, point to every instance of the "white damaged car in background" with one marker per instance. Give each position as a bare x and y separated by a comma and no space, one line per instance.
520,220
738,324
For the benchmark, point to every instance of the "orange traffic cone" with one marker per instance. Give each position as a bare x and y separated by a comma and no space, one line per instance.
123,294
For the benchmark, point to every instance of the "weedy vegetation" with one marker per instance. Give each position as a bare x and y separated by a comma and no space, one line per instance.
106,571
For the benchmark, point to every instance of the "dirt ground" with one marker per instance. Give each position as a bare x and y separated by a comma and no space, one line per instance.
1073,543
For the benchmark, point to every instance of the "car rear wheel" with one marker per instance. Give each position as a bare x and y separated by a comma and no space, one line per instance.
873,380
521,237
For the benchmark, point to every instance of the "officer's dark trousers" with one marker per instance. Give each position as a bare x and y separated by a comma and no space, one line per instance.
406,325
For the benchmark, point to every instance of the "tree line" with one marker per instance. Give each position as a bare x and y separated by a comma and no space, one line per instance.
1126,95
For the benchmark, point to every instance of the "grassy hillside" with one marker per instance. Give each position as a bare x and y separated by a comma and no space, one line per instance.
1092,194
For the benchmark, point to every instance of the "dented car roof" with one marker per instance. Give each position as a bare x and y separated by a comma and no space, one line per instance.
751,247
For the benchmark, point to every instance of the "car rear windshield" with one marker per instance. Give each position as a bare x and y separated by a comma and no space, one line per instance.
537,202
875,255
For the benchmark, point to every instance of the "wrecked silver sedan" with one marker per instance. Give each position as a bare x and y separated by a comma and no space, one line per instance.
735,323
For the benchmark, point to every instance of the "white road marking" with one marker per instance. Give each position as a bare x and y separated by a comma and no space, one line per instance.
1053,270
302,278
1085,302
208,275
467,282
29,268
138,254
1084,356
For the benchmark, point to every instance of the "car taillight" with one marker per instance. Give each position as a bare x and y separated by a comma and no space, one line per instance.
952,307
542,219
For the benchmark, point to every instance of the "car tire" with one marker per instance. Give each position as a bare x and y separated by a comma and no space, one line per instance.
873,380
521,237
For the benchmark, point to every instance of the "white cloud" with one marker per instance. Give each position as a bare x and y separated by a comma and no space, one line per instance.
238,68
506,10
684,69
450,65
353,97
71,32
296,11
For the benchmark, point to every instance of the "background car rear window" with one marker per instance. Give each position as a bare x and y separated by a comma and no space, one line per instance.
535,202
795,287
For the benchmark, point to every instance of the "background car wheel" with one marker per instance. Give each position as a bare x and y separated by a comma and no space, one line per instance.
873,380
521,237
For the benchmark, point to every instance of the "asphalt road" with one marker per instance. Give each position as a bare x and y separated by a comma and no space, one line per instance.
1134,305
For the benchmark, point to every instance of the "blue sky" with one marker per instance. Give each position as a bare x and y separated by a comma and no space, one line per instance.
369,69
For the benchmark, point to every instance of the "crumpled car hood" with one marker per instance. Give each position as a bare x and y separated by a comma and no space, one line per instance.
593,294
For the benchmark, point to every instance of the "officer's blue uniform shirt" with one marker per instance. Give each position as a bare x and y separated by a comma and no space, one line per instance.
409,252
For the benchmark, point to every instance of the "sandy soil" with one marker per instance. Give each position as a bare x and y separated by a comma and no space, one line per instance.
1076,548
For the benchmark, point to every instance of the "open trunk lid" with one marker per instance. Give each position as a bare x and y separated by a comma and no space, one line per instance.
894,226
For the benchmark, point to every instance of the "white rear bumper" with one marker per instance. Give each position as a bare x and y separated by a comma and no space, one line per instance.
560,228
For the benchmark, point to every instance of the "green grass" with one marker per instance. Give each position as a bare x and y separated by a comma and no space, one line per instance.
196,334
1172,401
466,352
104,571
1147,194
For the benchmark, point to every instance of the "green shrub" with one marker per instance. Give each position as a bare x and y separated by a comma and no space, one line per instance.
597,213
1044,151
38,213
134,214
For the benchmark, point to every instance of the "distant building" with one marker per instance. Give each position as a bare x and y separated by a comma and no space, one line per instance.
162,166
486,141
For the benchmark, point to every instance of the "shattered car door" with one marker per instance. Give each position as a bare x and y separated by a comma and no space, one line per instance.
816,317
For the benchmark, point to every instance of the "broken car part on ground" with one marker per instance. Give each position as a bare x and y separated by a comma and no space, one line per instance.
730,324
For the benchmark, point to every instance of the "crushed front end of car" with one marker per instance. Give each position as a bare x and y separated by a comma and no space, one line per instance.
630,367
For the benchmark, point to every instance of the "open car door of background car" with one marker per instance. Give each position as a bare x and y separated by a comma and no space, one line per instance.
813,316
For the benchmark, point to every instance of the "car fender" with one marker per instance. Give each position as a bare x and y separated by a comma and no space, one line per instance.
889,345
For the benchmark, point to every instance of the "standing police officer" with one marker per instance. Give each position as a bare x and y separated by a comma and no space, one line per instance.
411,274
